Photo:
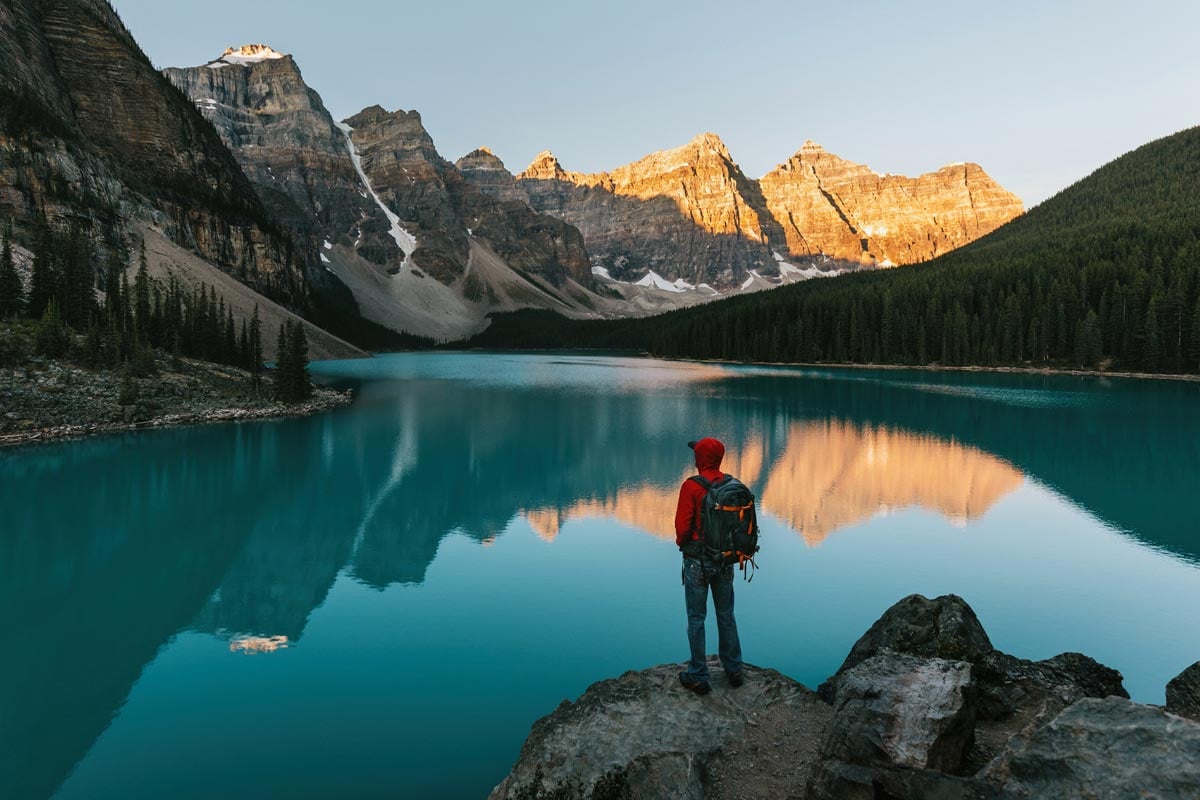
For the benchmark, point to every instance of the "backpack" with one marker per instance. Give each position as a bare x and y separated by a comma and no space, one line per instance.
729,526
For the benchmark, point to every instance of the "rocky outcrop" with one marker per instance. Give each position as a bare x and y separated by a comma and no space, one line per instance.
903,710
92,135
1107,750
443,210
902,719
1183,693
829,206
485,170
1016,696
691,215
644,736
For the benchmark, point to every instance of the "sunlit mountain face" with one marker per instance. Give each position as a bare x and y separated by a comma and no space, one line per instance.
829,475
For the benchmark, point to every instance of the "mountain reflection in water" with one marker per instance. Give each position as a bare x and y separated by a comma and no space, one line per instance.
112,547
829,475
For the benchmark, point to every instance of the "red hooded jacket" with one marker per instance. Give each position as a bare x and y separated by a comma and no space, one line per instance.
709,454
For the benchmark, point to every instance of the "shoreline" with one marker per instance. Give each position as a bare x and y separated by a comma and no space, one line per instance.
323,400
1079,373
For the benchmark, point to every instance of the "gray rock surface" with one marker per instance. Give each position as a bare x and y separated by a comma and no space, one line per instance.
104,142
905,711
1109,749
643,736
1183,693
902,726
945,627
837,780
1016,696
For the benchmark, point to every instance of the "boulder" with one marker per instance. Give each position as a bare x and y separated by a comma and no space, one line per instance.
903,710
945,627
1015,696
642,735
896,714
1105,750
1183,693
837,780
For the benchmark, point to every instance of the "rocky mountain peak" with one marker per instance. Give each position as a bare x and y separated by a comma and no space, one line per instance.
712,143
544,167
371,115
248,54
481,158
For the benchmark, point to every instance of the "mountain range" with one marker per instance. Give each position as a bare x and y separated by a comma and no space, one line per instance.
362,226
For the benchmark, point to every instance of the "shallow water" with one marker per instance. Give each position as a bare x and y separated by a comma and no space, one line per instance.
378,602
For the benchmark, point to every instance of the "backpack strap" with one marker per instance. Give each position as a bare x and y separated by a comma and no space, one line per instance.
703,481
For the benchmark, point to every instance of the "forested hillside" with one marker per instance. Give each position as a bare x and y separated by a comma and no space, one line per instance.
1105,274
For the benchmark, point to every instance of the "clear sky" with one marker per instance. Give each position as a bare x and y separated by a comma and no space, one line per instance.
1039,93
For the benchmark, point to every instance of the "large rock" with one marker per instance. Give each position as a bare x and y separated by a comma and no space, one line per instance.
1106,750
837,780
643,736
894,715
945,627
1183,693
1015,696
903,710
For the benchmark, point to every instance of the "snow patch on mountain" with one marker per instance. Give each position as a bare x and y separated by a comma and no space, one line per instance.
404,240
655,281
247,54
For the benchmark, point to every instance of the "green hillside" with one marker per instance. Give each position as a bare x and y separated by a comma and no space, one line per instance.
1104,274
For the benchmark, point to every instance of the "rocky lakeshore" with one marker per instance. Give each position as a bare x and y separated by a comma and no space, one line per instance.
923,707
47,400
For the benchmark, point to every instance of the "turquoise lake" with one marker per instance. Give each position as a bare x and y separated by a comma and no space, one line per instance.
378,602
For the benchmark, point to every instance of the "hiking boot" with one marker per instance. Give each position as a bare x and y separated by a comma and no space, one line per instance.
736,679
699,687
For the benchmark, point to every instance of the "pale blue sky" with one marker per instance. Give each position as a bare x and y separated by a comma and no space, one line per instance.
1039,93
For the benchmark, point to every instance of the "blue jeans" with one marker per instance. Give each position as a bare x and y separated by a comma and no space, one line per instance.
698,578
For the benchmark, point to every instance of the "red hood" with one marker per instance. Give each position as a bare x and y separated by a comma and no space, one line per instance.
709,453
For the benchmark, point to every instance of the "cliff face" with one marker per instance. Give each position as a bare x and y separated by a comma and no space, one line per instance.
691,215
92,135
285,141
686,214
827,205
420,248
443,209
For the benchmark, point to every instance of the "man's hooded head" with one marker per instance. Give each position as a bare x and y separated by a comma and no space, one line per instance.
709,453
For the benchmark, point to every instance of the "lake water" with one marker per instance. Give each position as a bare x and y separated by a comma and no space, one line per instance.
379,602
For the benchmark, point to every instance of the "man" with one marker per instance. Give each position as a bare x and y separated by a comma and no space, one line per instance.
701,574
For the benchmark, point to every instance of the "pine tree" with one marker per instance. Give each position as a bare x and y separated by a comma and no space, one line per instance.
1152,341
12,293
301,380
125,306
282,364
51,339
256,349
128,393
230,346
42,280
243,348
141,296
